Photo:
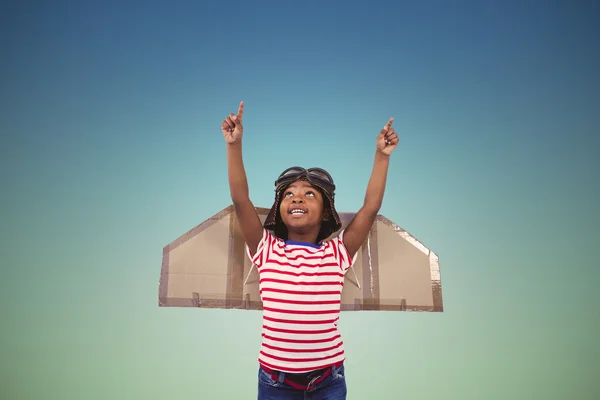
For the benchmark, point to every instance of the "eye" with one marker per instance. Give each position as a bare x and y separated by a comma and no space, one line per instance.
309,193
287,194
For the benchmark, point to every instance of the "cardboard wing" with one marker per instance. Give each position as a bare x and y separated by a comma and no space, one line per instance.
208,267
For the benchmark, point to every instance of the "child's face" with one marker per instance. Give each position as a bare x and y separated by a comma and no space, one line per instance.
301,207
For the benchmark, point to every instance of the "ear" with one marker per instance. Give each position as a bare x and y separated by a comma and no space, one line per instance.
326,214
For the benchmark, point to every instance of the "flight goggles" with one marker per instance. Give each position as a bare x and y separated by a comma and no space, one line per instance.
317,176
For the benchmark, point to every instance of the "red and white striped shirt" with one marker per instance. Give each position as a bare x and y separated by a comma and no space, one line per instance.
301,289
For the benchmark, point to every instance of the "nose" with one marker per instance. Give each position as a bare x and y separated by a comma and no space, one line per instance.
297,200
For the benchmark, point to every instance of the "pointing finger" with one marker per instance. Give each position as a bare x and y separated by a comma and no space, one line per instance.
240,111
389,123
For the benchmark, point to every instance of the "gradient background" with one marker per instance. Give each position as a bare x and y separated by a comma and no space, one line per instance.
111,148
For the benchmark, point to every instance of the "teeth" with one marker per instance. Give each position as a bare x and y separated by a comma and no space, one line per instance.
298,212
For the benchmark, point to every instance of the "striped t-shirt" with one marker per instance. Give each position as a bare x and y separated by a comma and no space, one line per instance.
300,288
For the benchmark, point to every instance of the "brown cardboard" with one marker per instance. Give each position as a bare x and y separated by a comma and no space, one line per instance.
208,267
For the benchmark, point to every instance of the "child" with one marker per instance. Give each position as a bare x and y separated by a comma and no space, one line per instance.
301,272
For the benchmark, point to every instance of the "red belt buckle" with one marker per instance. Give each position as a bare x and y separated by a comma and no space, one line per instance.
314,381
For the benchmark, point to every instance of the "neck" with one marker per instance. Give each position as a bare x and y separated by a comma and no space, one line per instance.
303,237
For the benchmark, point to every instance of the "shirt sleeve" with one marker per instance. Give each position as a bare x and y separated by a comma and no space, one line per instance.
343,256
262,250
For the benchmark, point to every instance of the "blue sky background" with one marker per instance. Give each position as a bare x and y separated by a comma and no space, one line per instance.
111,148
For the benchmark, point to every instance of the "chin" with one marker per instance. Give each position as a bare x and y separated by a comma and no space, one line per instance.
296,225
293,222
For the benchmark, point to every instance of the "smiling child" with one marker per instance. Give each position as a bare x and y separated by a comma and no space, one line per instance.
301,268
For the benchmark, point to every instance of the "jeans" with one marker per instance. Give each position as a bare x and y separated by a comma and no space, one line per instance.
333,387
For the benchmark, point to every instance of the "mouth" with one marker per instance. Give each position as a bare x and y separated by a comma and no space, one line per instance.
297,211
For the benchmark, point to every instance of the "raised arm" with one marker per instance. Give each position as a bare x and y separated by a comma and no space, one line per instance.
249,221
358,229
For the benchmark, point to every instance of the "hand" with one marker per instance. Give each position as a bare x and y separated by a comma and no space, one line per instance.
387,140
232,126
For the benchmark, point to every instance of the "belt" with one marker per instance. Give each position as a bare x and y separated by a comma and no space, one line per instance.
301,381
